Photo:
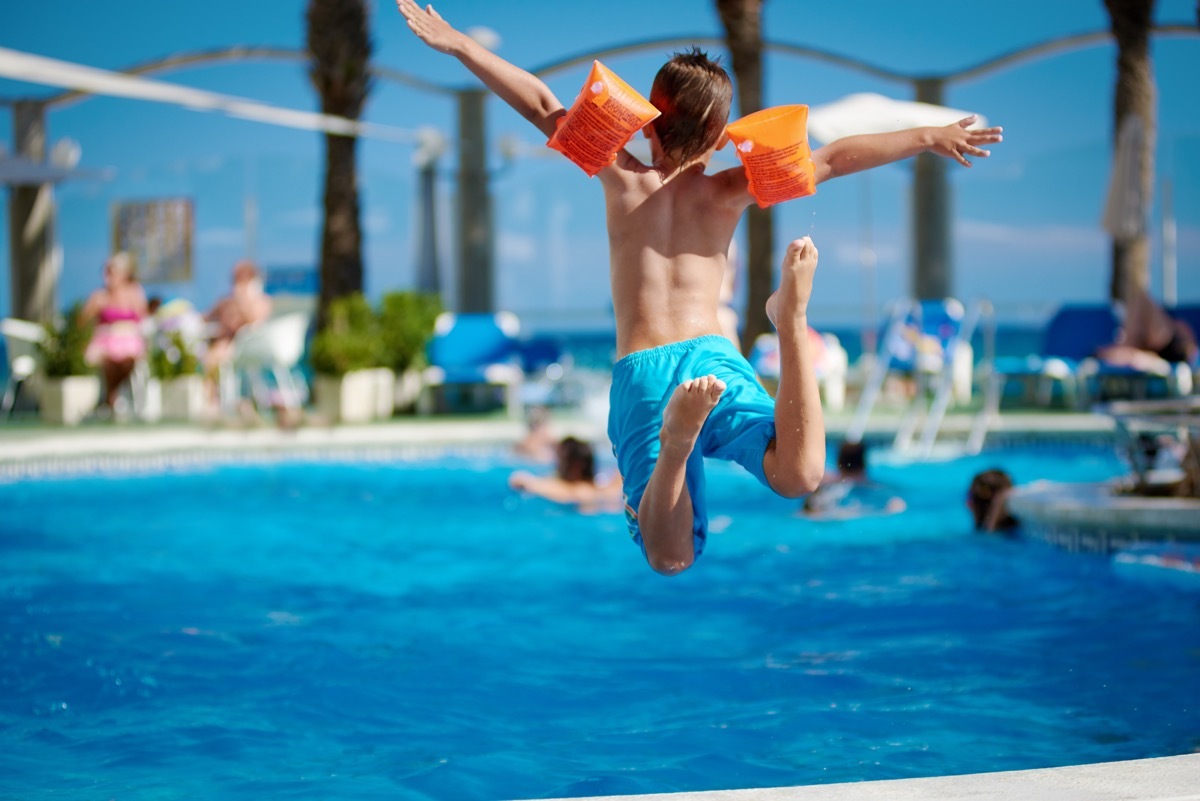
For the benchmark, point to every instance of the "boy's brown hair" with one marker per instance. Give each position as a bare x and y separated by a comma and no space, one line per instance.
693,93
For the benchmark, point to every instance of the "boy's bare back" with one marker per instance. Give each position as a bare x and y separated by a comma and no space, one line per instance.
669,241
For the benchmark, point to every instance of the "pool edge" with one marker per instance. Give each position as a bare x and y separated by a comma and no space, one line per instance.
1173,778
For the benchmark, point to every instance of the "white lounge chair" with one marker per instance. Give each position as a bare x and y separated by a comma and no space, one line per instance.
273,347
21,341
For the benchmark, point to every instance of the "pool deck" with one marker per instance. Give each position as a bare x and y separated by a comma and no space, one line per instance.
1174,778
29,449
29,446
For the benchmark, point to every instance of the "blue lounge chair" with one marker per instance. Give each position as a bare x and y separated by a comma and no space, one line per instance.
1070,338
1122,382
927,342
479,350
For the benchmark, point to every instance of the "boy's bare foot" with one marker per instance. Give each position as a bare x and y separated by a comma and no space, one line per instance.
688,409
795,284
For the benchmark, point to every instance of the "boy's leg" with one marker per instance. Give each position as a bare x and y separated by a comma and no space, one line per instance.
795,459
665,511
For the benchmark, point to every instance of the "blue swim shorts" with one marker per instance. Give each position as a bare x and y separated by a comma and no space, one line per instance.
739,429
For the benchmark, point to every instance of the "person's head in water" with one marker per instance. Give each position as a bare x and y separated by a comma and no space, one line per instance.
852,459
987,500
693,92
576,461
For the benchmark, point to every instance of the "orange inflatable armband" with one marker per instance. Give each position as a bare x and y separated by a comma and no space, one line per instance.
601,121
773,147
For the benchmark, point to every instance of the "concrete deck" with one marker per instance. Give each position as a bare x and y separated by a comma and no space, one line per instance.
1166,779
33,446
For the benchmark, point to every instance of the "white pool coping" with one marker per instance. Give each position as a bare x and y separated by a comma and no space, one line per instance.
1174,778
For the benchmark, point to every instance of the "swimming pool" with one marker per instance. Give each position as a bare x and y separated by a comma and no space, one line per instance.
412,629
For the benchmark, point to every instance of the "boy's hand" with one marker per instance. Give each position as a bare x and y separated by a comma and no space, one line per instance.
955,141
429,26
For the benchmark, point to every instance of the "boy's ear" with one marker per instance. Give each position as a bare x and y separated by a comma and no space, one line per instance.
647,130
724,140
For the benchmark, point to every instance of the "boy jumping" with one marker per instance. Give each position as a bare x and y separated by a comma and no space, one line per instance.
681,391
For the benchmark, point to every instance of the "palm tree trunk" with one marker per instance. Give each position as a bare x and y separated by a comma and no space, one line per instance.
341,235
742,20
1134,93
340,45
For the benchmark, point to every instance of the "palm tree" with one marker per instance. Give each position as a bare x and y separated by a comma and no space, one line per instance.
340,46
1135,94
743,34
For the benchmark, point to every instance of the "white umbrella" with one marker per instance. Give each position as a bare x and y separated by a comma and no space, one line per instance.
867,112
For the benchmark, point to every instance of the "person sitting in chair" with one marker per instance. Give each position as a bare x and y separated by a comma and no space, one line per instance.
118,309
1150,340
246,304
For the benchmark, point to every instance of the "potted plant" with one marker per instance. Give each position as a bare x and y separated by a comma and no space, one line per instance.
175,369
406,321
72,388
352,382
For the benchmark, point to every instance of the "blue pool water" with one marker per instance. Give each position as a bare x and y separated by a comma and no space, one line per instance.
414,630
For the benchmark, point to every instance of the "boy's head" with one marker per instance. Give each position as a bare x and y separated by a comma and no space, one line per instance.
693,93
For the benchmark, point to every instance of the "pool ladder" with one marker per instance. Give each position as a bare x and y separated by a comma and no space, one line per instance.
929,419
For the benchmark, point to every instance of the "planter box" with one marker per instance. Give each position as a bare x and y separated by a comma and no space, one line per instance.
183,398
357,397
148,400
408,390
66,401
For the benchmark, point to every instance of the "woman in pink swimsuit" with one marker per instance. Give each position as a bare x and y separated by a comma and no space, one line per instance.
118,310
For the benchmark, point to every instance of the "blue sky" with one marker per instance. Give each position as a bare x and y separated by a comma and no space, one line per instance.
1026,235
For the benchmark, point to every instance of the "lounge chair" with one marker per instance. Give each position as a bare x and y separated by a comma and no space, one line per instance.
475,350
831,366
271,348
928,344
1070,338
21,340
1106,381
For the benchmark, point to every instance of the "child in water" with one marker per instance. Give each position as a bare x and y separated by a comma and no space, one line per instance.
681,390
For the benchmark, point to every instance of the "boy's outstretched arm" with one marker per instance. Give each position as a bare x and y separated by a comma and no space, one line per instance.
526,93
856,153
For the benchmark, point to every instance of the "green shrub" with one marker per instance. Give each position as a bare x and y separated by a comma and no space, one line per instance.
406,325
350,339
174,360
356,337
65,346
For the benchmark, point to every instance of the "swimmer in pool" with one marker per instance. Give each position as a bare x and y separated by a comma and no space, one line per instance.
575,481
850,493
681,390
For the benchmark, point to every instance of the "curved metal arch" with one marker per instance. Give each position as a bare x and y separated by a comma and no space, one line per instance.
786,47
1073,42
1028,53
240,53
